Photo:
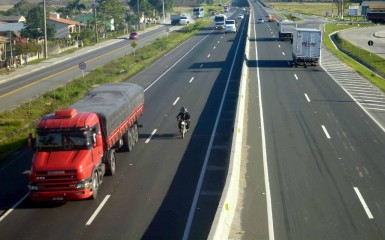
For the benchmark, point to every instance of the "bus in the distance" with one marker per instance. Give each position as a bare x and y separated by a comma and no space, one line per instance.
198,12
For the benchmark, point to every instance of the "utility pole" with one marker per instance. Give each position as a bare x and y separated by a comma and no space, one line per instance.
45,32
164,17
138,16
10,45
96,26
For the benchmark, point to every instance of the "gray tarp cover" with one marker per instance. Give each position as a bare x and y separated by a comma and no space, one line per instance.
112,102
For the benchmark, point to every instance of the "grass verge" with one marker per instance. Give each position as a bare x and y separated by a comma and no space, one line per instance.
371,60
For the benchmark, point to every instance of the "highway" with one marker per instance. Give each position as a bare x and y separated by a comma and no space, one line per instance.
319,172
312,163
167,187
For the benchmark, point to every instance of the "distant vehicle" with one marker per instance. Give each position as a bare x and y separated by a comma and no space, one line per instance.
376,17
219,21
240,16
230,26
306,47
243,9
286,29
271,18
198,12
260,20
226,8
134,35
179,20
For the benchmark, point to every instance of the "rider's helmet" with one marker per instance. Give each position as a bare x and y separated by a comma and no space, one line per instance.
183,109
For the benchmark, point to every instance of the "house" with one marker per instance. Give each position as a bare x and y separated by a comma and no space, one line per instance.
109,23
8,31
13,19
372,6
64,27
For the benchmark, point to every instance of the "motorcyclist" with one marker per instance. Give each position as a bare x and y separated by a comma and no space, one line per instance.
183,115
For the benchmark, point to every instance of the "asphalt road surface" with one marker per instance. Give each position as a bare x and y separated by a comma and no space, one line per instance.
167,187
321,147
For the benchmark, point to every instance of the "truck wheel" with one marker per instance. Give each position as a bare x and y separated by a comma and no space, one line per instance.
132,133
95,184
111,163
127,141
136,133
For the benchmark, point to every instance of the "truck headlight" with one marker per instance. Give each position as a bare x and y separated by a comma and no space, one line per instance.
82,185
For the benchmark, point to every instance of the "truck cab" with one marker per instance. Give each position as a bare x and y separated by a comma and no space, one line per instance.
219,21
75,147
68,160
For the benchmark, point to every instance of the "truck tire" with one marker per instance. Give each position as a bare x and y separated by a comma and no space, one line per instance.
132,134
111,163
127,140
136,133
95,184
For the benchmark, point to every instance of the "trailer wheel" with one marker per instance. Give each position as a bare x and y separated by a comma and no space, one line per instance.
136,133
111,163
127,140
132,130
95,184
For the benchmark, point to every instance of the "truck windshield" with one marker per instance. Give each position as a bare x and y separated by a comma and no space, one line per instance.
59,141
219,19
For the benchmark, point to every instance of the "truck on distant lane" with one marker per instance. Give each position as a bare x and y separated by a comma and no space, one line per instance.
286,29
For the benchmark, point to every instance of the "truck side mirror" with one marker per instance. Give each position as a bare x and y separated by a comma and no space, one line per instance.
31,142
99,141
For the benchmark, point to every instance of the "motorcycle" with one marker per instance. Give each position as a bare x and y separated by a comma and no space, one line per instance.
183,128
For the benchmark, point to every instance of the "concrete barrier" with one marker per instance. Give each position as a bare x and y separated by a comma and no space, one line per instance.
221,226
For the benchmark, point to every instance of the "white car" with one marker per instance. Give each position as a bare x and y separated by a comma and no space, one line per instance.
240,16
230,26
260,20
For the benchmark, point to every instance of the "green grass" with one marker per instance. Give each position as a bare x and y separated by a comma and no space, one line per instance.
16,124
371,59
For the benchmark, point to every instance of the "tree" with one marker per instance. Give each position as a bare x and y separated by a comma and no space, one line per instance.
19,9
110,9
73,8
24,48
34,26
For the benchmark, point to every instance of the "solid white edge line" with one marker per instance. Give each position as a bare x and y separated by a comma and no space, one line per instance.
325,131
13,207
151,135
176,100
362,200
98,210
264,152
307,97
191,79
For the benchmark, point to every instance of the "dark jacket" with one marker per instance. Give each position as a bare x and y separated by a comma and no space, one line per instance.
183,116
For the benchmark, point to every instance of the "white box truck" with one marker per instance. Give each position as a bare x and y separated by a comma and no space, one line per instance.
286,29
306,46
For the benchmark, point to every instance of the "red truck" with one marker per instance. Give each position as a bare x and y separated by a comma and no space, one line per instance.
75,147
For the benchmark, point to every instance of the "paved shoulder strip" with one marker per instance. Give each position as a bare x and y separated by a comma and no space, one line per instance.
362,91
